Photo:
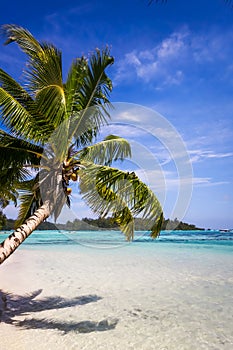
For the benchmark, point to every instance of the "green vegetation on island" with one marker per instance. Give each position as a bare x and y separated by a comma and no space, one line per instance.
89,224
2,220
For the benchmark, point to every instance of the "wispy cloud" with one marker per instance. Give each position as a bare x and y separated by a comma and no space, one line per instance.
173,46
201,155
151,63
169,62
207,182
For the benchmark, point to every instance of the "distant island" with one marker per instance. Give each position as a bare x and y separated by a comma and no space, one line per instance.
89,224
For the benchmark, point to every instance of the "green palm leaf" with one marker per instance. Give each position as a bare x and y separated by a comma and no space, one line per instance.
85,125
10,178
50,102
105,201
30,199
17,158
15,152
20,110
44,68
96,85
15,89
43,75
74,82
109,190
110,149
92,98
7,192
14,115
22,37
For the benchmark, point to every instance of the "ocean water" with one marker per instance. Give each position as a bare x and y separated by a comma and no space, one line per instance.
216,241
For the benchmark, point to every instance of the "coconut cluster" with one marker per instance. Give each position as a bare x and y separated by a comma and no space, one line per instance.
69,172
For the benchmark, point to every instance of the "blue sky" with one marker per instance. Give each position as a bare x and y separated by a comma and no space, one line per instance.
174,58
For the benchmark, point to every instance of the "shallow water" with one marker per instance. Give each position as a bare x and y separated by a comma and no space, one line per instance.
115,239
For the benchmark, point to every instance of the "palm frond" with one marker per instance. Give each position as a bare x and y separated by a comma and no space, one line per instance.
15,152
97,84
26,202
17,157
110,149
21,114
74,82
22,37
23,122
15,89
105,201
44,69
58,144
92,98
4,200
10,178
44,82
30,199
43,75
50,102
14,114
8,194
85,125
107,190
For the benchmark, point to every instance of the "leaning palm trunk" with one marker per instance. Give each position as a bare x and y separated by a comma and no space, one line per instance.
11,243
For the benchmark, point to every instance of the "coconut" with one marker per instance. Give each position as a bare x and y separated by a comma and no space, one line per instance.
74,177
68,190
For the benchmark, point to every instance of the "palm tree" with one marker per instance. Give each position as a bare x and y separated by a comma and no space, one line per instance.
46,142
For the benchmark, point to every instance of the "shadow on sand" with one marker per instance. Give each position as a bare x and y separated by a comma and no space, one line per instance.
22,305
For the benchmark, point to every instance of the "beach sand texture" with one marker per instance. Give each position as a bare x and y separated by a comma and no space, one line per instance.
121,299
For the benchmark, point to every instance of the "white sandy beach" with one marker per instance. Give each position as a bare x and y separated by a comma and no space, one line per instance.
116,299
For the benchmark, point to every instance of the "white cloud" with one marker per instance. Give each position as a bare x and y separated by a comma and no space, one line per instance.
174,79
146,71
131,58
168,62
146,54
200,155
172,46
207,182
219,155
11,211
154,63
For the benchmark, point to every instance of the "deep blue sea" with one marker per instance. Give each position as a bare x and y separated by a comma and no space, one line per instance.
211,240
